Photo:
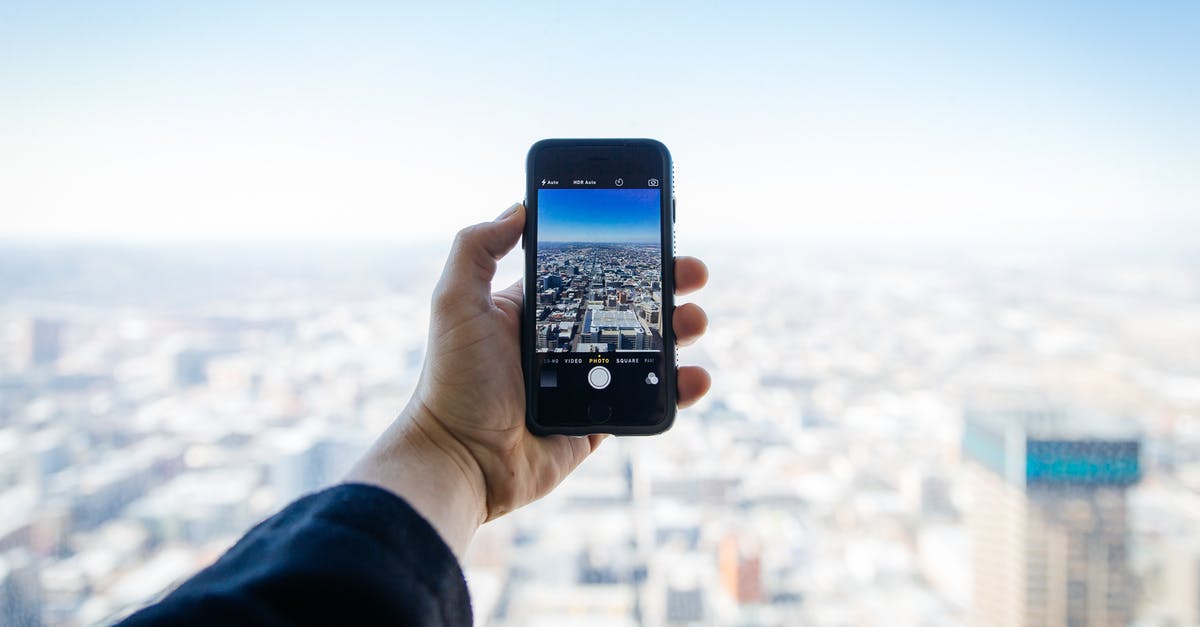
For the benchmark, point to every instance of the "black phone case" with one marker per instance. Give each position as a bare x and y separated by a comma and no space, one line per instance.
670,360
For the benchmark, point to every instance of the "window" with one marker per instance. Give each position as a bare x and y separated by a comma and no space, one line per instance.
954,307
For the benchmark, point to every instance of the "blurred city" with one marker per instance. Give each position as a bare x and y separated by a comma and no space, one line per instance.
935,438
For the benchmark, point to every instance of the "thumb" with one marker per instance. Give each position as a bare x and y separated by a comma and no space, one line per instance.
467,277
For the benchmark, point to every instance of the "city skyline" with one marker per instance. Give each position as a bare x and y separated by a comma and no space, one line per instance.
145,428
598,297
147,434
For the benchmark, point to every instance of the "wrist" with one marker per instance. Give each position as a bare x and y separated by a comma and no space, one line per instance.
426,466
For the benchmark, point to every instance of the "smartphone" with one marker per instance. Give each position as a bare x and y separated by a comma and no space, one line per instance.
597,345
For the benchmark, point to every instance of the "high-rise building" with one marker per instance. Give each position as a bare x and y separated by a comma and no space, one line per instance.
1048,519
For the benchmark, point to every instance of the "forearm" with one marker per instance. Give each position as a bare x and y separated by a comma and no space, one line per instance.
430,471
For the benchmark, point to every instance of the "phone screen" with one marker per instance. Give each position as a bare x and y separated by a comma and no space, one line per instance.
598,335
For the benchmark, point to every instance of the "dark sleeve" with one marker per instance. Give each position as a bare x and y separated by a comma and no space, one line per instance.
352,554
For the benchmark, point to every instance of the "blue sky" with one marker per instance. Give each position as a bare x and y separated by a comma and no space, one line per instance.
626,216
854,122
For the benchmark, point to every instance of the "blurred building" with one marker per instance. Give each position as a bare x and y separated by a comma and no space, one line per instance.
309,459
108,487
191,367
20,590
685,605
740,562
1048,520
1181,598
41,344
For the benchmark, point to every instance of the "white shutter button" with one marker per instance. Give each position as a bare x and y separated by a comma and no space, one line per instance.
599,377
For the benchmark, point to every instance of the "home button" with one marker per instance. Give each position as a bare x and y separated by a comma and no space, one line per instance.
599,412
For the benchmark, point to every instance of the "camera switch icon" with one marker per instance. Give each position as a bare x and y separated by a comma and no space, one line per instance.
651,379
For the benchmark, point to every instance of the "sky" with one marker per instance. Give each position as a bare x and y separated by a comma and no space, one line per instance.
916,123
626,216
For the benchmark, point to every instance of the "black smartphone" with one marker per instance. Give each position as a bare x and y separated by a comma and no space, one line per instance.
597,345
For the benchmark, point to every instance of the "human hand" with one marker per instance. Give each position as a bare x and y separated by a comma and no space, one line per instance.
465,425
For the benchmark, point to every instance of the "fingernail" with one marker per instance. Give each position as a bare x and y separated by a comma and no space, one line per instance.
508,212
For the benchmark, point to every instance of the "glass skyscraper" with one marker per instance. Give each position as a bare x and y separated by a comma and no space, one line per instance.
1048,517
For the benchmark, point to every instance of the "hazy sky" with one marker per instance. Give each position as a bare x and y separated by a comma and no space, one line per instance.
599,215
861,122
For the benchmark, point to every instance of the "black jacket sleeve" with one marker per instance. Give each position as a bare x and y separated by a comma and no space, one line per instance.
352,554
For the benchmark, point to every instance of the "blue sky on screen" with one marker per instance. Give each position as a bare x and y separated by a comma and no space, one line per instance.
620,216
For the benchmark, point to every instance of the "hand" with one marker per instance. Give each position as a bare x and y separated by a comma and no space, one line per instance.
460,448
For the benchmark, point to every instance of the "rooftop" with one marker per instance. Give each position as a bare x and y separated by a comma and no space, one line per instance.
606,319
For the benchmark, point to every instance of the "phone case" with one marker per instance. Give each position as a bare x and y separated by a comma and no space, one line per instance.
528,351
